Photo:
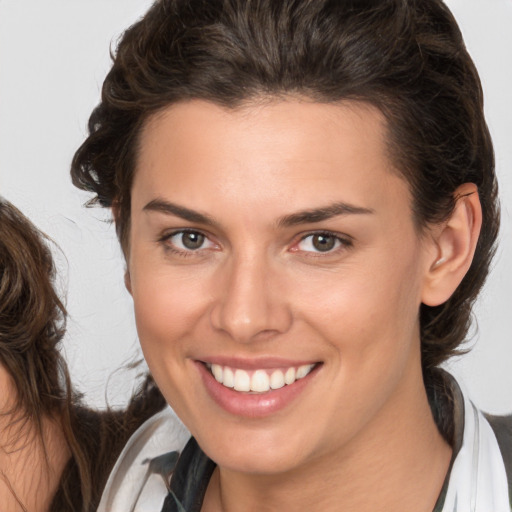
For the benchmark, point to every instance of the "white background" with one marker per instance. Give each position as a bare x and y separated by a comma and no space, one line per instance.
53,57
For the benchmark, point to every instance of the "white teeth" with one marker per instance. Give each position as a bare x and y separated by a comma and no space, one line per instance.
217,372
277,379
229,378
260,381
242,381
289,376
303,370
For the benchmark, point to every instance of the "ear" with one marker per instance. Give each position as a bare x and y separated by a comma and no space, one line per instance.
127,278
115,208
455,243
128,281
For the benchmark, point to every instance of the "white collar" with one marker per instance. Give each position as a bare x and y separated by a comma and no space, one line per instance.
478,480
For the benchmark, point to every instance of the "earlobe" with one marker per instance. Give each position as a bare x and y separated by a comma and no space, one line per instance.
455,242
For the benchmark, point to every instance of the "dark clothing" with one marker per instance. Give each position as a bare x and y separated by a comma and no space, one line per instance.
194,469
101,436
162,470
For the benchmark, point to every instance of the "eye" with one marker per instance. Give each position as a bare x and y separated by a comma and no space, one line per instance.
187,241
320,243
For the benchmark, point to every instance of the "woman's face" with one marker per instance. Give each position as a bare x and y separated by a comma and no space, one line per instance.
274,247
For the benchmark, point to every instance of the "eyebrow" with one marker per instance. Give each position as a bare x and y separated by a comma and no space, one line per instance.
303,217
323,213
162,206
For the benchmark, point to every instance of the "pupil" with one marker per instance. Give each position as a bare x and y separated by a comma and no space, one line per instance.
323,243
192,240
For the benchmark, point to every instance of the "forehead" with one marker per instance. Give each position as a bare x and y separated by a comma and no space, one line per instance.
265,122
269,153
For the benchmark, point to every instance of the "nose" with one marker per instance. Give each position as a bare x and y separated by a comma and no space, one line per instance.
250,301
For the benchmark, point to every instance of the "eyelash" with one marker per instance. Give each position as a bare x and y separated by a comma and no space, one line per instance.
164,240
344,242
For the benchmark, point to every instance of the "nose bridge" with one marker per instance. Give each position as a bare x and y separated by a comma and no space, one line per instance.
248,304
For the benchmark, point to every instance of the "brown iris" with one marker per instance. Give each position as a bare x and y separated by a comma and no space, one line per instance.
192,240
323,242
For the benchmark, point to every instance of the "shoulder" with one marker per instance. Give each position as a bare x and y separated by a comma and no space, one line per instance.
502,427
160,434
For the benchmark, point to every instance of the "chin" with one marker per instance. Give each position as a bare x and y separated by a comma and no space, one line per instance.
247,451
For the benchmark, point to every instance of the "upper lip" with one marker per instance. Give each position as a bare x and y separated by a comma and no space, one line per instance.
256,363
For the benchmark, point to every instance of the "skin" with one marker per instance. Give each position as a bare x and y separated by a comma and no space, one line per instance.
360,436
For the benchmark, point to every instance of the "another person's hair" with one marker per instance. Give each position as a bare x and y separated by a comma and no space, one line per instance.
32,326
32,320
406,57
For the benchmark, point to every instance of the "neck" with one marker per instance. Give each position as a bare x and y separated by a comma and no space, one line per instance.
31,463
398,463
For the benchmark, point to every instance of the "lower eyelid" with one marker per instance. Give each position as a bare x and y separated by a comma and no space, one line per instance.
340,242
165,240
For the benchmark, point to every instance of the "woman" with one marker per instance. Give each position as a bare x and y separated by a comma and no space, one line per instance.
55,454
305,196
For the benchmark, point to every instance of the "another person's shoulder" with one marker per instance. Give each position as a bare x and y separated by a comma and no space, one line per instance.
132,478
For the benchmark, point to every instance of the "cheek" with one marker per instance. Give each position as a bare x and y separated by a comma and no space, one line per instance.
167,313
167,308
368,312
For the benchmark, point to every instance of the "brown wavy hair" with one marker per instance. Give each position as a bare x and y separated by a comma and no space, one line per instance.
32,318
32,326
407,57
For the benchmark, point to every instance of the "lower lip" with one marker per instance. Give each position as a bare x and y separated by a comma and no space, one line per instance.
253,405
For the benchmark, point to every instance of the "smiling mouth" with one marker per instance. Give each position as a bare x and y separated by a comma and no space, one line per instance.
259,380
